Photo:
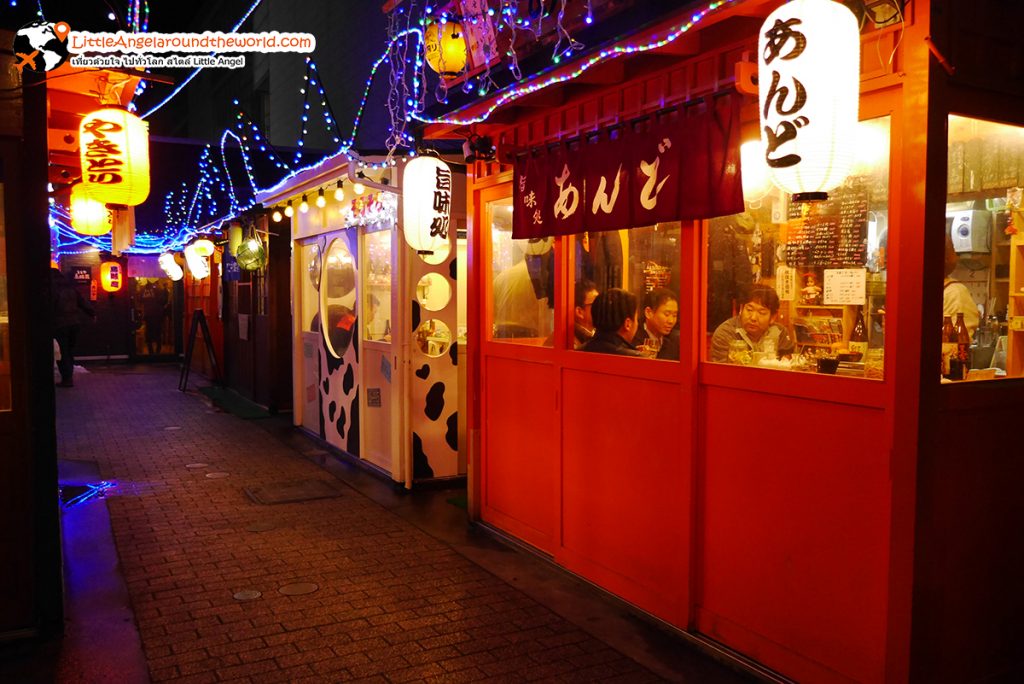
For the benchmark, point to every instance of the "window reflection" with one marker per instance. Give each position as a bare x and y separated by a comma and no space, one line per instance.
523,285
642,263
801,286
338,297
377,286
983,287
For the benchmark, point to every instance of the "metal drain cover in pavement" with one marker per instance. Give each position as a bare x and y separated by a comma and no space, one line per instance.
247,595
216,476
195,465
298,589
290,492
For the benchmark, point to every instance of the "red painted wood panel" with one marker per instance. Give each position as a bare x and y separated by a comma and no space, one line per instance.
626,484
520,460
794,533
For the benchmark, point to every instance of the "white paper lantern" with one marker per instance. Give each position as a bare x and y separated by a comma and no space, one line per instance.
170,266
809,86
426,204
196,257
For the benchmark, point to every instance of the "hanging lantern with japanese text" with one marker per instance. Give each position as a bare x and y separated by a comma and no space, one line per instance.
809,86
171,266
426,204
196,255
111,276
444,47
89,217
115,156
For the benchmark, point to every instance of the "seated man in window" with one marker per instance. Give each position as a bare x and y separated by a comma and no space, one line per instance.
586,293
755,326
658,331
615,317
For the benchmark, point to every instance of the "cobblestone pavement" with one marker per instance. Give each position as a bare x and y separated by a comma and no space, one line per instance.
393,604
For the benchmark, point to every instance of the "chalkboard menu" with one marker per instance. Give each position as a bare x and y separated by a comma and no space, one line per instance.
831,233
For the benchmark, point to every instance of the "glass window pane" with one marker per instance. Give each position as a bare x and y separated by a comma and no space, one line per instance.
5,337
983,288
338,296
377,286
618,274
523,273
801,286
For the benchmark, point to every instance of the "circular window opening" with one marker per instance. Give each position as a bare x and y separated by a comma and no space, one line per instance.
338,297
433,337
433,292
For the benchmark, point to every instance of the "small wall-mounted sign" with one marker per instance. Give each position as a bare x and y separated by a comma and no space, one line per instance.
373,397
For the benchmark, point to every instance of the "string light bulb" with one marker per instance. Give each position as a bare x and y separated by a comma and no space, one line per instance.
339,192
303,205
321,201
276,216
358,187
288,210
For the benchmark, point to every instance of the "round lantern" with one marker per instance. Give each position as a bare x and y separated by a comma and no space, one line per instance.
426,204
111,276
251,254
88,216
809,88
114,146
170,266
444,46
195,256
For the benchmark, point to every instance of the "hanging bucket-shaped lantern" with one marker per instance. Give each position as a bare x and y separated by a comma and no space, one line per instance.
251,254
111,276
809,87
171,266
444,47
115,156
196,255
88,216
426,204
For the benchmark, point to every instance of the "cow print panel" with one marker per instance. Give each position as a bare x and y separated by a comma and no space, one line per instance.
420,463
435,401
353,431
452,434
349,381
423,372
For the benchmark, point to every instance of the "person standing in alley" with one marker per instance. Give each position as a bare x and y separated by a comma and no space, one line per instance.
68,309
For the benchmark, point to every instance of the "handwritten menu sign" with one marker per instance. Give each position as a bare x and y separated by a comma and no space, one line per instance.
845,286
829,234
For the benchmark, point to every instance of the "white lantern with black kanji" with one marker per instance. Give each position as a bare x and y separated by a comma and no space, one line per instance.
114,153
809,86
427,204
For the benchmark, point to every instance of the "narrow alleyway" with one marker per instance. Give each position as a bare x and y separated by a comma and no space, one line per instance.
332,589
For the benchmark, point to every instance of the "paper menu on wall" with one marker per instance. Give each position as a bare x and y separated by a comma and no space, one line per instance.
785,283
845,286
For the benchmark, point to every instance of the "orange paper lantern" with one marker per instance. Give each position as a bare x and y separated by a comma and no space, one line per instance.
115,157
88,216
111,276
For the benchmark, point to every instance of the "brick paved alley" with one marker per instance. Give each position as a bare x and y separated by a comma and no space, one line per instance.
392,603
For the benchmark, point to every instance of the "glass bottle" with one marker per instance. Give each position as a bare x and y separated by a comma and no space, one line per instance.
963,346
948,348
859,335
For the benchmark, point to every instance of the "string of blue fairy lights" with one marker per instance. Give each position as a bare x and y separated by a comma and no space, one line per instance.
414,108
